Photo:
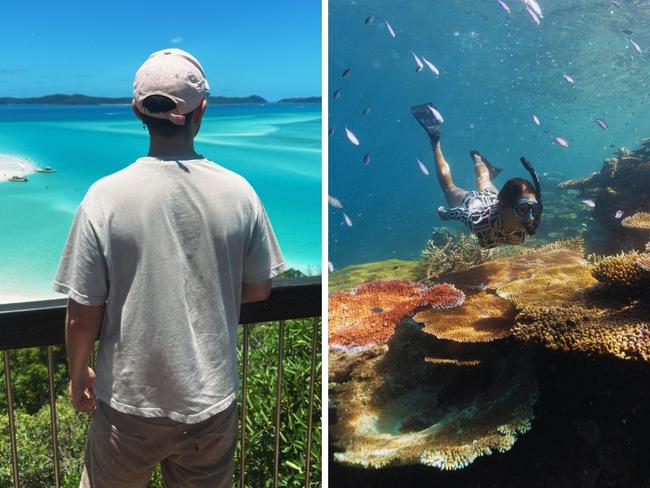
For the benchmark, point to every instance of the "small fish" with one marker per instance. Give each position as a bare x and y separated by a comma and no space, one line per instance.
568,79
423,168
348,222
602,123
533,16
536,120
436,114
535,7
618,214
431,66
346,72
629,31
390,29
616,3
376,310
418,62
504,5
636,47
331,131
366,158
334,202
336,95
589,203
561,141
366,110
369,19
353,139
330,266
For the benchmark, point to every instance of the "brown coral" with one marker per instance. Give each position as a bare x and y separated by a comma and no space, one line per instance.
602,332
624,270
555,277
369,314
445,416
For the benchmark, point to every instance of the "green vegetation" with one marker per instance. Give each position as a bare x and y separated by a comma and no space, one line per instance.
32,411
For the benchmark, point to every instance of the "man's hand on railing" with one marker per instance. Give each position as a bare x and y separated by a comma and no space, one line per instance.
81,392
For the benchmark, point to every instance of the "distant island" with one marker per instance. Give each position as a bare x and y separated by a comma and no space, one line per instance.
61,99
301,100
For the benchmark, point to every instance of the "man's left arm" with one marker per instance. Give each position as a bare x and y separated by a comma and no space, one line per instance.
82,323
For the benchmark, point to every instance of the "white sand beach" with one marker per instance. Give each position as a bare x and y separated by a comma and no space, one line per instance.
10,298
11,165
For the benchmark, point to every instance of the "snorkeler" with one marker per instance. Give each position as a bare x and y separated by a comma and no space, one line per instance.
495,217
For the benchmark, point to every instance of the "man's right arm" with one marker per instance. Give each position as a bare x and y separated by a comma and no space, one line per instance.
255,292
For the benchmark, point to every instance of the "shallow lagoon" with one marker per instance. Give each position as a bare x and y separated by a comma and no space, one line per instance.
277,148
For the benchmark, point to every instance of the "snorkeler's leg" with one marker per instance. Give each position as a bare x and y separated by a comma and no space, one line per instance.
453,194
482,173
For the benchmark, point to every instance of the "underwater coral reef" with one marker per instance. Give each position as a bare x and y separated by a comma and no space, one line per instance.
443,386
619,189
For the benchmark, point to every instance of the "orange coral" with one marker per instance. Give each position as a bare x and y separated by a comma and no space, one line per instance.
369,314
484,317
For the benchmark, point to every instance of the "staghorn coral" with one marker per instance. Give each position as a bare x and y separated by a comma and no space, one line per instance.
624,270
575,244
369,314
644,263
451,252
638,221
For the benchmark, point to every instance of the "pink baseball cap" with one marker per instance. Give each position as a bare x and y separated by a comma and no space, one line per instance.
175,74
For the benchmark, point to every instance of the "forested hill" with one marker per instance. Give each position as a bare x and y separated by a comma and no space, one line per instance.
61,99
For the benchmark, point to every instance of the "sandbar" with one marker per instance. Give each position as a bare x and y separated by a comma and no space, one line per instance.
11,165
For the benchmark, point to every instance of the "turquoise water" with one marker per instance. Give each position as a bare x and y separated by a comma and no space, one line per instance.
496,70
277,148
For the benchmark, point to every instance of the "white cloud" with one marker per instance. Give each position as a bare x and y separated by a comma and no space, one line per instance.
176,40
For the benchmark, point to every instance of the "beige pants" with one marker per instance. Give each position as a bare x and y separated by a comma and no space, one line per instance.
123,450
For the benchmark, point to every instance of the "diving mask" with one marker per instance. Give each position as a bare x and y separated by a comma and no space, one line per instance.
526,209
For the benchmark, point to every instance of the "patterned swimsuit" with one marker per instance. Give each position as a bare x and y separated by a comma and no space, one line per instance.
479,212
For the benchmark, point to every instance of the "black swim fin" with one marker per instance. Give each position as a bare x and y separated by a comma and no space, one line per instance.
427,120
494,170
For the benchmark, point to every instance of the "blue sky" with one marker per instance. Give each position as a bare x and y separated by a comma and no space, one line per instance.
267,48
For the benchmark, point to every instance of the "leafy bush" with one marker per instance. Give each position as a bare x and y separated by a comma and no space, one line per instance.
32,411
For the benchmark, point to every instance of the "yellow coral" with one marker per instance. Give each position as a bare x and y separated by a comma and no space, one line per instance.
622,270
602,332
638,221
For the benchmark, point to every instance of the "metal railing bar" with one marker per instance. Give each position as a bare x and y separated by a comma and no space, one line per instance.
244,396
55,438
12,420
278,404
312,381
42,323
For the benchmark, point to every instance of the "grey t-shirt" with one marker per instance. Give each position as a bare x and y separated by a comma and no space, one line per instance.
167,244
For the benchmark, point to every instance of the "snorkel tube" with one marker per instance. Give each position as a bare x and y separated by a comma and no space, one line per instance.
532,228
